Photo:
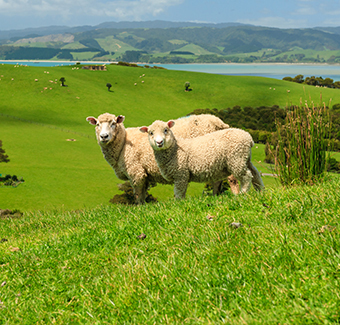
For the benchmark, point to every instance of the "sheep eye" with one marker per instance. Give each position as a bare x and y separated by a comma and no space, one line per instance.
165,131
151,133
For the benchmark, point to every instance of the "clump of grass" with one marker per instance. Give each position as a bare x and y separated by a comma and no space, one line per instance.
178,262
301,153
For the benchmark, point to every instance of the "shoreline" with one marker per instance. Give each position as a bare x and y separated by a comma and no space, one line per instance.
179,64
57,61
277,70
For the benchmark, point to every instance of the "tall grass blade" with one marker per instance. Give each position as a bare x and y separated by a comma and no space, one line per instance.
301,154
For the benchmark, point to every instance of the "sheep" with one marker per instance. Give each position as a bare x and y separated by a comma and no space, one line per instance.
128,152
208,158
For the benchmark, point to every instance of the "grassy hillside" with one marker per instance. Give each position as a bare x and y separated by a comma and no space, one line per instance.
91,267
222,43
37,118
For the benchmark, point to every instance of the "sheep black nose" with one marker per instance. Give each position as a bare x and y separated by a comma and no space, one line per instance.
104,136
159,143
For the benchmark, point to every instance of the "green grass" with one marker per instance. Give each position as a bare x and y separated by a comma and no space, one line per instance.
322,55
78,260
73,45
326,54
112,44
89,267
196,49
74,175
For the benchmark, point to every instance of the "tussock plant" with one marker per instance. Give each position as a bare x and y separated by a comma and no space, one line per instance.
301,152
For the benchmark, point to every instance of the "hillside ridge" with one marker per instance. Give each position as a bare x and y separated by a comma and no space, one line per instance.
167,42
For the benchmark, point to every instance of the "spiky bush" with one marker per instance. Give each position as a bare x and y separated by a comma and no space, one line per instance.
301,153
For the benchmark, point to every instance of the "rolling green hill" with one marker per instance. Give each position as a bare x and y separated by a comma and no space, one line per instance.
231,43
38,117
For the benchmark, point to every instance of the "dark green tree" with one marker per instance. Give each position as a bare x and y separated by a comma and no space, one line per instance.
298,79
108,85
187,86
328,82
3,156
62,80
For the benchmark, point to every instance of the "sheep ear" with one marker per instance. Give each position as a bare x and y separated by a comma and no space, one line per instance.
143,129
120,119
92,120
171,123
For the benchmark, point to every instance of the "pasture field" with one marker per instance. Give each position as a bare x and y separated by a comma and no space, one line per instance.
192,267
38,117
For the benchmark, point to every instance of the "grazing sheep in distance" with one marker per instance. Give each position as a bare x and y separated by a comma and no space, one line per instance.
129,153
208,158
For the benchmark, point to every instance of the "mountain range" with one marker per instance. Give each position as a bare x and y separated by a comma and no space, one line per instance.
173,42
42,31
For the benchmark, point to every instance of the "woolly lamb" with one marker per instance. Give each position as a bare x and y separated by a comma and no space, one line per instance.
208,158
128,151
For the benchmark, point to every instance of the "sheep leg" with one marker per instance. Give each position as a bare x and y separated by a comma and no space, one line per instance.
257,180
217,187
245,181
140,192
180,188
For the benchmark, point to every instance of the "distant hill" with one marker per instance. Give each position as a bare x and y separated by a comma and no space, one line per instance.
333,30
42,31
173,42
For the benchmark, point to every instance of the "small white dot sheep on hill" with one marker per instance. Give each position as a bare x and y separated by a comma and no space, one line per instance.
129,153
208,158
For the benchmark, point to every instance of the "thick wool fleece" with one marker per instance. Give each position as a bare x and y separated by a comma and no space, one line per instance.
130,155
208,158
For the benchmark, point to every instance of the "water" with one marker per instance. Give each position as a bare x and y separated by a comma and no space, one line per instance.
276,71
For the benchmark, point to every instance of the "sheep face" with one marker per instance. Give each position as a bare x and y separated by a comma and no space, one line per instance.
160,135
106,126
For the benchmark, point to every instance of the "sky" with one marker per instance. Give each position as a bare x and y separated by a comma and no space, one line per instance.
20,14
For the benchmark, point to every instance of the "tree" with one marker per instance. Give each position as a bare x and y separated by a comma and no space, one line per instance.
187,86
62,80
3,156
298,79
312,81
328,82
108,85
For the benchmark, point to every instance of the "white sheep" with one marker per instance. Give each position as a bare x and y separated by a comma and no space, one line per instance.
128,151
208,158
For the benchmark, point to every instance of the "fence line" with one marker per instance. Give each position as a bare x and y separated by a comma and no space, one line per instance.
47,125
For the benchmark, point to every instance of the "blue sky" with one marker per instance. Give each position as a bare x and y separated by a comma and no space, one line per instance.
19,14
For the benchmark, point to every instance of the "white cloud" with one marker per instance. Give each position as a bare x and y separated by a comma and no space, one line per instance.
118,9
306,11
306,8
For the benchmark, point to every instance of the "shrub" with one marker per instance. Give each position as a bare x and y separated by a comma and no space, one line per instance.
300,154
187,86
126,64
333,165
9,180
3,156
